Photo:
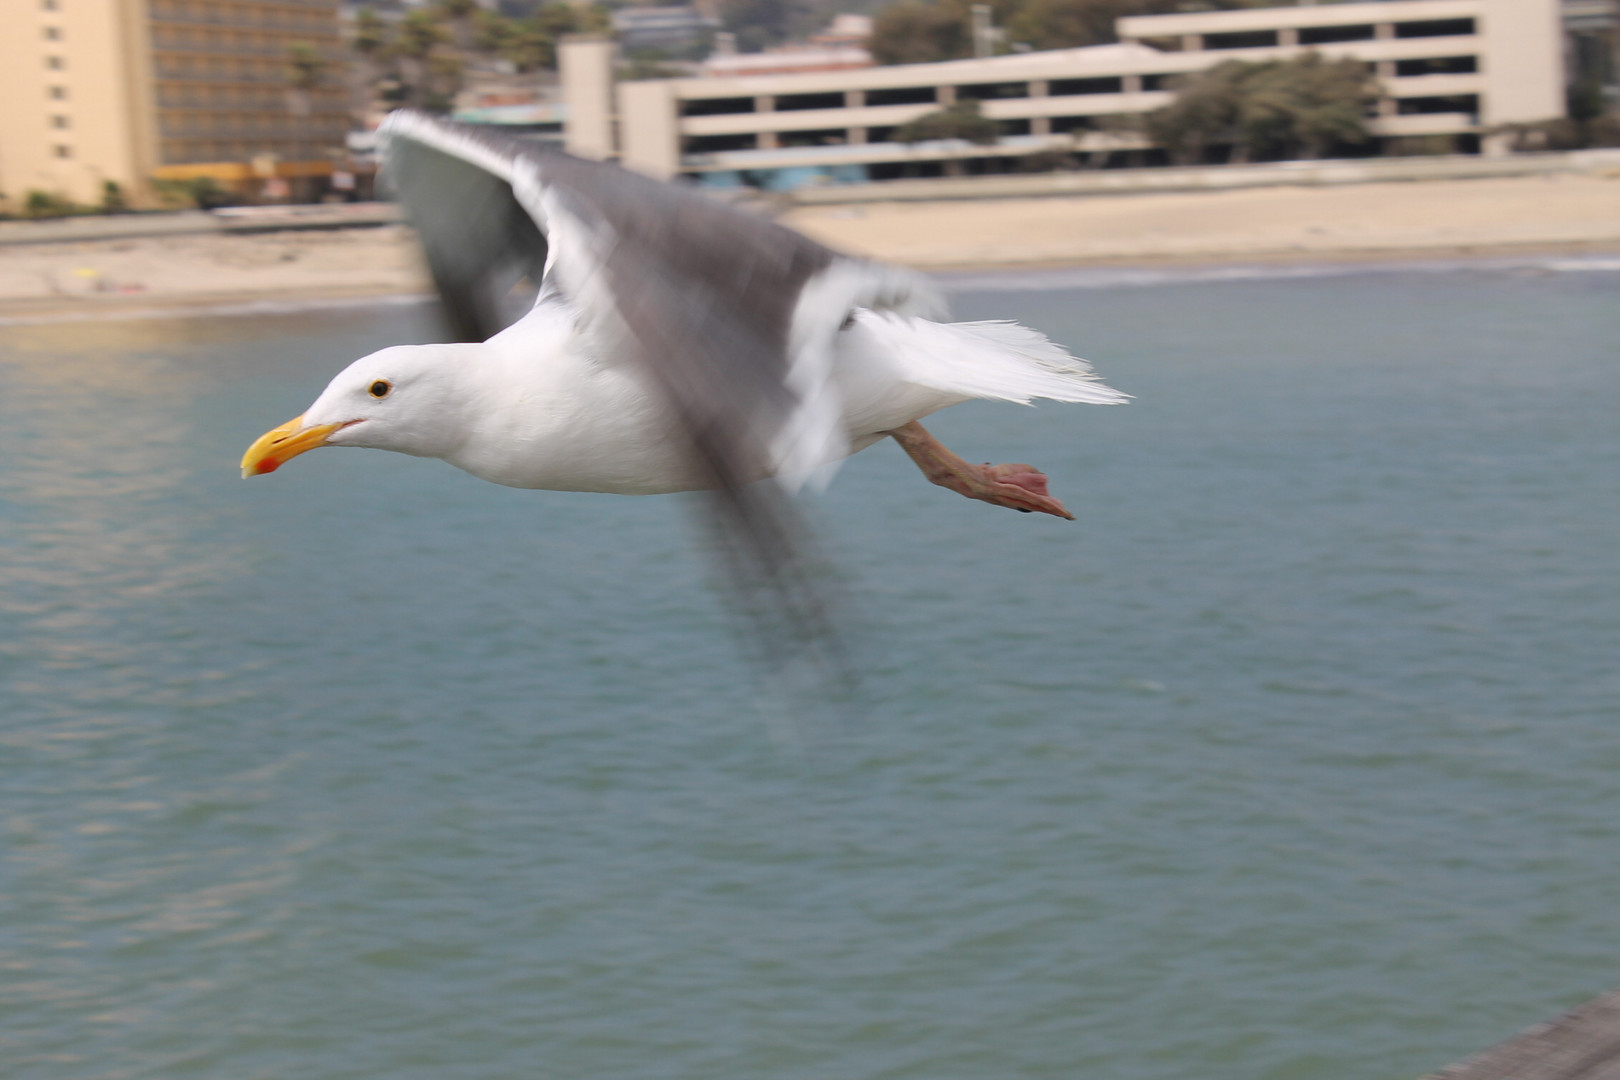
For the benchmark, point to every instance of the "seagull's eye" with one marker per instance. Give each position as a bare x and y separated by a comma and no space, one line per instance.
380,388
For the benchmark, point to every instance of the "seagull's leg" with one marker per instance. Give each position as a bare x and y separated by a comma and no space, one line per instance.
1021,487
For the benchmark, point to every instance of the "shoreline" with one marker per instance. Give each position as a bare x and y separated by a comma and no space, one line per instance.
1109,273
1180,234
1100,273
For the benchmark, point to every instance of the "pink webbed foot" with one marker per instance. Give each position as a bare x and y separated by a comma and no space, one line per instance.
1018,487
1021,487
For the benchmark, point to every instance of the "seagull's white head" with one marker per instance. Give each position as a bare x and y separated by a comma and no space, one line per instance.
413,399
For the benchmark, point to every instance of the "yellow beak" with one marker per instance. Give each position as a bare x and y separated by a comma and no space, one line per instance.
281,444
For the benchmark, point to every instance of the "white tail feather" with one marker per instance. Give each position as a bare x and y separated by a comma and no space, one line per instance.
1002,361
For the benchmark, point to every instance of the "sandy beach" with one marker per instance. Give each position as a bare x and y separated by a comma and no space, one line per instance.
1360,221
1579,213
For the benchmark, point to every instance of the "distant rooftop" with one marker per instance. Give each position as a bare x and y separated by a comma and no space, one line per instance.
661,27
840,47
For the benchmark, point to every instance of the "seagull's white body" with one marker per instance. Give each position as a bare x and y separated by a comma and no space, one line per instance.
536,407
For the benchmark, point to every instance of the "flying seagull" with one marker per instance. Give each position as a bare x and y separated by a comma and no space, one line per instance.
676,344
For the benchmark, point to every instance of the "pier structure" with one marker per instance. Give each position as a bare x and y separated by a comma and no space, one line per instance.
1583,1044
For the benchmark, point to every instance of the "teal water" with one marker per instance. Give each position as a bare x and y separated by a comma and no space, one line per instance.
1297,756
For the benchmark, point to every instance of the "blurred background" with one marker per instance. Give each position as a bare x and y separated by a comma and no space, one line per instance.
202,152
115,105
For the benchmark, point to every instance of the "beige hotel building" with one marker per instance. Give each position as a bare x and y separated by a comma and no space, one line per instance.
131,90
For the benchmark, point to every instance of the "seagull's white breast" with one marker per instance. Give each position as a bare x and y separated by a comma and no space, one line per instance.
547,414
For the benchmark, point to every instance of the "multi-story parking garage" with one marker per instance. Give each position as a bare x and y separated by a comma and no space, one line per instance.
1446,68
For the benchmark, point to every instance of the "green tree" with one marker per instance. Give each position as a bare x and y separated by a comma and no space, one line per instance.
1207,110
370,34
1301,107
1072,24
202,192
373,41
589,18
459,14
305,70
530,46
423,59
419,32
961,120
113,200
1312,103
445,75
45,204
492,31
306,67
921,32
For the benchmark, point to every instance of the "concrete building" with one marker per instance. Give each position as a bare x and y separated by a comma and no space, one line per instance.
667,29
131,90
1446,67
1593,55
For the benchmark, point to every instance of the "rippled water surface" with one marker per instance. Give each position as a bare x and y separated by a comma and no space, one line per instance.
1297,756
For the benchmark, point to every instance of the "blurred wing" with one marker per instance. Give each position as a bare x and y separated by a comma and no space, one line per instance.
477,238
732,318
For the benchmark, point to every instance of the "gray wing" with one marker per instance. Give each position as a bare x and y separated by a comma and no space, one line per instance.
732,318
478,240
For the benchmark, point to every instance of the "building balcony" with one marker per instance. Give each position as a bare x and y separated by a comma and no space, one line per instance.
271,77
1423,124
889,152
1138,27
1435,86
246,19
276,50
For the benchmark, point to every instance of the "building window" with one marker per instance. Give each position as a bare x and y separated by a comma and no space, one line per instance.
992,91
790,102
59,93
59,121
832,137
1422,106
1435,28
54,63
1062,125
1440,65
53,33
48,5
1244,39
717,106
902,95
1327,35
1070,87
719,144
64,151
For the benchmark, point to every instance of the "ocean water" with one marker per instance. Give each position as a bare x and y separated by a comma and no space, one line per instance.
1296,757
